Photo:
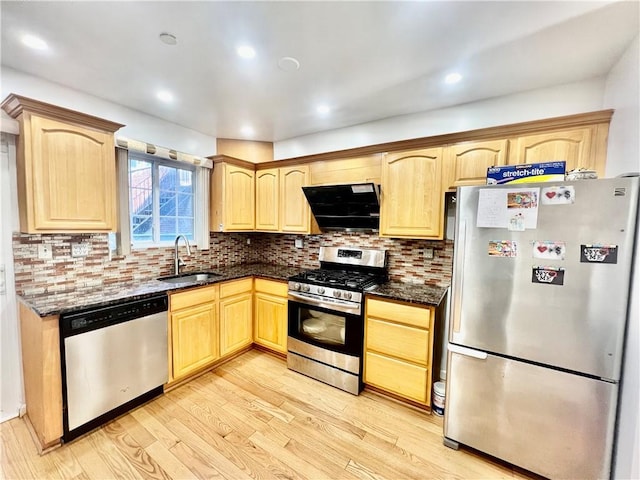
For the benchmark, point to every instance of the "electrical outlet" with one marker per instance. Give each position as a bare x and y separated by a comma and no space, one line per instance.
45,252
428,253
79,249
248,241
299,243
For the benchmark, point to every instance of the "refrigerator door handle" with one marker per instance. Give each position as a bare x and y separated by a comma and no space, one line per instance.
461,239
467,351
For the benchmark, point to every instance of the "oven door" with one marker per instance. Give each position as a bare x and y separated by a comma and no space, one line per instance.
325,327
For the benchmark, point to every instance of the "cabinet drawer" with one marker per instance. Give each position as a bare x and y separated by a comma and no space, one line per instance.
194,296
397,312
271,286
235,287
396,376
400,341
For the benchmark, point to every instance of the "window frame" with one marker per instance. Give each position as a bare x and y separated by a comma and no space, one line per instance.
156,162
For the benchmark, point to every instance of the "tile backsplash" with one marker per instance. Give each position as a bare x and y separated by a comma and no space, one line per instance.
63,272
406,259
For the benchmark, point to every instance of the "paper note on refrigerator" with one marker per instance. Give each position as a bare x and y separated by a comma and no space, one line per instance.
513,208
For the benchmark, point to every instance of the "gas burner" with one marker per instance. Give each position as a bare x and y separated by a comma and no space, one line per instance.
340,278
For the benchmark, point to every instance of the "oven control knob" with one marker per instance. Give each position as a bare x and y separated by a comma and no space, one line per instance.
320,290
347,295
296,286
337,293
305,288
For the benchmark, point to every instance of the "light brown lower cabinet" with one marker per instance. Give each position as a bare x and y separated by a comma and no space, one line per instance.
399,349
42,375
270,315
194,331
236,315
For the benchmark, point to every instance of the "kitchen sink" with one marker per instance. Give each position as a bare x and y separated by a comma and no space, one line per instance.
190,277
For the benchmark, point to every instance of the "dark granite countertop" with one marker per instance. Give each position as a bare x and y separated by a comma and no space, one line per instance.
75,300
412,293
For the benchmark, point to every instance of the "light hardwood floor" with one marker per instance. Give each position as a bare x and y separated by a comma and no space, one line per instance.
253,418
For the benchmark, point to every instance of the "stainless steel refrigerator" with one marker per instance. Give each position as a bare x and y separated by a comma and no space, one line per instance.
540,296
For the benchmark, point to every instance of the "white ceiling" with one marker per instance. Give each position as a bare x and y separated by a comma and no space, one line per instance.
366,60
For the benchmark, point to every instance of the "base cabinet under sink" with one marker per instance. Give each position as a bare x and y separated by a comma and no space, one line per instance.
194,331
208,324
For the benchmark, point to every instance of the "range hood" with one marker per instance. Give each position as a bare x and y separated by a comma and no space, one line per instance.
345,207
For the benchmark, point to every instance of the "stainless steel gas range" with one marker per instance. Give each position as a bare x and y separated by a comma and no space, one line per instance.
326,315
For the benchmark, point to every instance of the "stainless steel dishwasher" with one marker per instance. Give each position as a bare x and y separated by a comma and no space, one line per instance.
113,359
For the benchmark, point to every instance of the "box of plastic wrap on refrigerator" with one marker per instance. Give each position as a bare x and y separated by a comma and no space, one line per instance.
532,172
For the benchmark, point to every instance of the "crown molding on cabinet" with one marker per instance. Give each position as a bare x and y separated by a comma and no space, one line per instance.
232,161
15,105
488,133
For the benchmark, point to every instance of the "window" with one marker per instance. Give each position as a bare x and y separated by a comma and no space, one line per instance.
161,200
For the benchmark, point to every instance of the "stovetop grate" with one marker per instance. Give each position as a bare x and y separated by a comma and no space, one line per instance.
339,278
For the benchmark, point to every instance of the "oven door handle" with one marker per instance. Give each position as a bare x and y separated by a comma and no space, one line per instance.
329,306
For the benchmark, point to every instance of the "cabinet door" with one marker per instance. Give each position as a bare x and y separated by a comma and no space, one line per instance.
349,170
267,199
270,322
571,146
411,199
194,338
236,322
239,199
72,180
467,163
294,208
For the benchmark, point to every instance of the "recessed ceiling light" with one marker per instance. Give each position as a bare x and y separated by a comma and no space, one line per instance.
288,64
165,96
34,42
168,39
246,51
323,109
247,130
451,78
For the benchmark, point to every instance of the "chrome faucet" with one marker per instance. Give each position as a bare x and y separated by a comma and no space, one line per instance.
177,261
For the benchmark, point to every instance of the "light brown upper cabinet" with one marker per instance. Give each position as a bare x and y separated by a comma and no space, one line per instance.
349,170
66,168
268,200
295,213
411,200
577,147
467,163
232,198
280,202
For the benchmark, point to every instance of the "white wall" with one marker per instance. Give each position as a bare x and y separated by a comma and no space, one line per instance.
579,97
138,125
622,92
11,393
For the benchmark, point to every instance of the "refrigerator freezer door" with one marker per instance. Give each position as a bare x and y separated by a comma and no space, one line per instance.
553,423
578,326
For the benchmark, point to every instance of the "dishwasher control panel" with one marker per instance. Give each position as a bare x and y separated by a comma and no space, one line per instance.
94,318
